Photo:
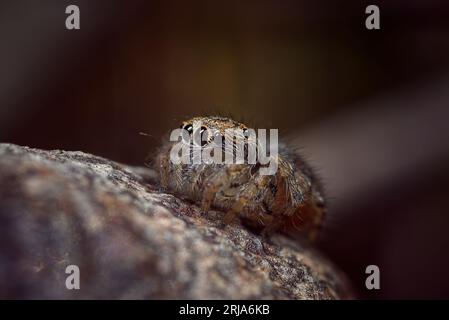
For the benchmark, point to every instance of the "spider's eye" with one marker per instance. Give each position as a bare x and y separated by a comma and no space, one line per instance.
204,134
189,128
246,134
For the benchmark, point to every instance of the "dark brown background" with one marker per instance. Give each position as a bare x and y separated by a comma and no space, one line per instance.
369,108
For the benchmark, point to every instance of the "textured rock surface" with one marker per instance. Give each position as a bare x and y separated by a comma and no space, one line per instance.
129,240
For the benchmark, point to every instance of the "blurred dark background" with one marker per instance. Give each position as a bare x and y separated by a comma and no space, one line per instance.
370,109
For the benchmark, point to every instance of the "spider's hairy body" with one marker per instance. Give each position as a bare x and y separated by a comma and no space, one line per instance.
289,200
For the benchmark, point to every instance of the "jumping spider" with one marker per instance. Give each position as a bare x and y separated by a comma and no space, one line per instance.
287,201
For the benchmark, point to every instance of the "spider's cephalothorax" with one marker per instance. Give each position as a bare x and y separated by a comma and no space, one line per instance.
289,200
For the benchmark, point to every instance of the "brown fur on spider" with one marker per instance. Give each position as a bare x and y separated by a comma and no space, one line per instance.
290,200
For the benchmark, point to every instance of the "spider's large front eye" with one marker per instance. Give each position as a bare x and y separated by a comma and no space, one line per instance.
188,127
204,134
